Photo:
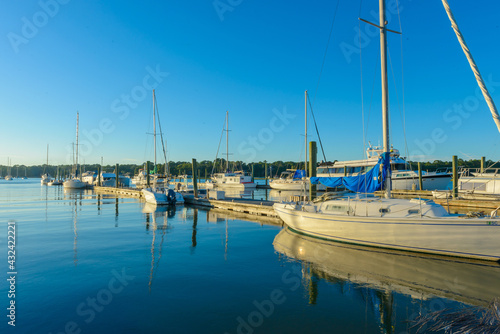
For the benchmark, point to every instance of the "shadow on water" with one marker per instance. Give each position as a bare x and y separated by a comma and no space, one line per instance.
385,273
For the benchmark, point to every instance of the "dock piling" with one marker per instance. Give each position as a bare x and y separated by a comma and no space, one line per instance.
455,176
312,168
420,181
482,164
265,173
195,182
117,179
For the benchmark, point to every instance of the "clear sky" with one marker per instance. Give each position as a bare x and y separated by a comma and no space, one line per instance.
254,58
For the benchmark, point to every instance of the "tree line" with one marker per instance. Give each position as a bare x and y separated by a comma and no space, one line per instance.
207,167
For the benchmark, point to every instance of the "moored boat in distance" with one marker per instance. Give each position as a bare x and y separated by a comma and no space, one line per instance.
402,178
162,196
291,179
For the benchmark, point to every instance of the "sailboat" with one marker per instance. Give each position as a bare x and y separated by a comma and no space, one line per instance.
292,179
46,178
156,179
236,179
413,225
8,177
75,182
159,194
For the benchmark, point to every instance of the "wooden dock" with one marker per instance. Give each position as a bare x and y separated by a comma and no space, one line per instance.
247,206
463,200
125,192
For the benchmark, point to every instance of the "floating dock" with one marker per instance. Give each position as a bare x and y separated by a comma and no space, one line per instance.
125,192
464,200
248,206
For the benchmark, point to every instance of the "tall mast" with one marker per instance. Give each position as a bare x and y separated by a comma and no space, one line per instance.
47,155
76,166
154,125
227,141
305,155
385,94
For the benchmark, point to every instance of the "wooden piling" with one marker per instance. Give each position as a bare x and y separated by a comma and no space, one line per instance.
420,181
117,179
195,181
455,176
252,175
265,173
99,176
312,168
147,174
482,164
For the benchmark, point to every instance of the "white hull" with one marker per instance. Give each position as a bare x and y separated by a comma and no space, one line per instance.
480,184
289,185
469,238
429,182
74,184
160,197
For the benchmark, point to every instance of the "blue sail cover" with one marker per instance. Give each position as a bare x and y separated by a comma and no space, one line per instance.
299,174
366,183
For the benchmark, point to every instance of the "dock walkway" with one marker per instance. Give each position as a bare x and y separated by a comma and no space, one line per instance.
248,206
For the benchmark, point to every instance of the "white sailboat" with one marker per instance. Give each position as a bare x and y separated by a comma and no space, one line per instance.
292,179
75,182
159,193
412,225
156,179
8,177
46,178
237,179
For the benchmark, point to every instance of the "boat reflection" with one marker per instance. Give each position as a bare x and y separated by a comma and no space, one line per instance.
157,219
420,277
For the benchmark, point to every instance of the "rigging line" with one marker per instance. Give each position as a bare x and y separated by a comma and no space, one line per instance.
218,148
326,51
317,131
362,95
371,99
407,151
161,132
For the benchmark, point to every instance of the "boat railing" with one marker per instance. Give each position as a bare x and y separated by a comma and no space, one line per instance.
471,172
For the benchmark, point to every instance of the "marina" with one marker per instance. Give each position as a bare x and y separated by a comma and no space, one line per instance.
178,260
249,167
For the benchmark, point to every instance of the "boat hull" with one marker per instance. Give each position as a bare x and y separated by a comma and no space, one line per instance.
467,238
295,185
161,198
74,184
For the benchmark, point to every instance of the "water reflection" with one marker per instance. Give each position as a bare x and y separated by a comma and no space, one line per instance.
421,278
157,219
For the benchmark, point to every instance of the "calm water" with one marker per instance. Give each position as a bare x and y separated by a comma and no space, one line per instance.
97,264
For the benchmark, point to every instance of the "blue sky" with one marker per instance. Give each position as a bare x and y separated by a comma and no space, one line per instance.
253,58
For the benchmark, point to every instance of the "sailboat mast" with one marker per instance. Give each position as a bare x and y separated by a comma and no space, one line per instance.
154,125
227,141
385,94
305,154
47,155
76,165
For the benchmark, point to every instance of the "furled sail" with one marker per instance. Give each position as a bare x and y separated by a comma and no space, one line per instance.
368,182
